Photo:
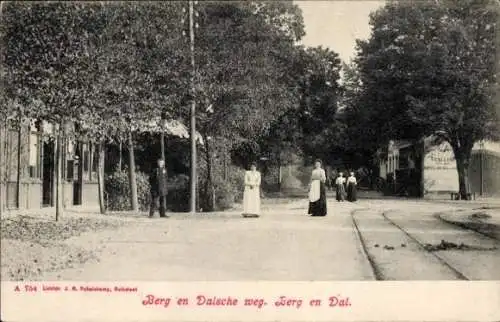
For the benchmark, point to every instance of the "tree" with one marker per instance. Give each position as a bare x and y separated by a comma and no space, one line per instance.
358,118
135,72
240,87
46,66
320,92
98,66
429,69
311,125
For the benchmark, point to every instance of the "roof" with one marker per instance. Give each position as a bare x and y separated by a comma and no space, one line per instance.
486,145
400,144
171,127
489,146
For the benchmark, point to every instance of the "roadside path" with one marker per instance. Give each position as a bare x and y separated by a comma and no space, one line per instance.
283,244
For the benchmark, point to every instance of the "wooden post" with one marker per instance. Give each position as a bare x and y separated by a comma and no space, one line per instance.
3,134
193,112
2,167
162,145
163,152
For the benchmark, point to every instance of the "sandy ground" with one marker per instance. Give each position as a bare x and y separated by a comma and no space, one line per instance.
283,244
34,244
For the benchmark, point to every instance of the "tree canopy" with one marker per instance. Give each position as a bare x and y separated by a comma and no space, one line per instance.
429,68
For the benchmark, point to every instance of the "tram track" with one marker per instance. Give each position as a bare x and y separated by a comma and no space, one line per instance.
375,270
457,273
377,264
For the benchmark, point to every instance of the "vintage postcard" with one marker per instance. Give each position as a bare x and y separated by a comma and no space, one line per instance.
250,161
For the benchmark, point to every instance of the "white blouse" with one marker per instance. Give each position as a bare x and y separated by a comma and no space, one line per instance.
340,180
352,179
318,174
252,178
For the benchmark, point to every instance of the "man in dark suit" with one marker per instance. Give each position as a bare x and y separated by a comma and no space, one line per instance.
158,183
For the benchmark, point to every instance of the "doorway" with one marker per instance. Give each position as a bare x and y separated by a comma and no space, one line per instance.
48,174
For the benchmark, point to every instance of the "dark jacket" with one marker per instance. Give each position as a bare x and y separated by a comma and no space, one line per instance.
158,182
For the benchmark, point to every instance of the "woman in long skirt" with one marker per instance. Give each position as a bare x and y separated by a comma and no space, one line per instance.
251,195
351,188
340,187
317,191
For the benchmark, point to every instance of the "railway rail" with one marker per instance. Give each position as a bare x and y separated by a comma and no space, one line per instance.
377,267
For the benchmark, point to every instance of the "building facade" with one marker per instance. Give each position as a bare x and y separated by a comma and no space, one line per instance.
27,169
437,172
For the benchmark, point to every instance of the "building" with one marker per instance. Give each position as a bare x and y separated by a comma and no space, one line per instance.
27,166
27,172
405,171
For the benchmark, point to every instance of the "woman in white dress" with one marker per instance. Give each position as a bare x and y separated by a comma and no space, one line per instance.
317,191
251,195
340,187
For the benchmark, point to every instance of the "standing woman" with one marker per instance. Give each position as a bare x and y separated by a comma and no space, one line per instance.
340,187
351,188
251,195
317,191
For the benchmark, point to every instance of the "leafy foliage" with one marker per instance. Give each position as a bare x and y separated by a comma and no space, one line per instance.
429,68
240,77
311,125
117,188
46,57
178,193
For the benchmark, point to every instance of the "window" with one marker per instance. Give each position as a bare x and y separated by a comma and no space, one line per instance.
86,159
95,161
70,163
70,173
34,146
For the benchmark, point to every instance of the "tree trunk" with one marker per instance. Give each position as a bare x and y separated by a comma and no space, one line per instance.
120,151
420,159
19,165
209,186
100,177
59,183
463,174
162,145
225,164
134,202
279,169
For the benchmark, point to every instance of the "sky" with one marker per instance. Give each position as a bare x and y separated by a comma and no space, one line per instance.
337,24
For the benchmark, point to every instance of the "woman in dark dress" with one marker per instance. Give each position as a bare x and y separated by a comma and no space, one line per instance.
351,188
340,187
317,191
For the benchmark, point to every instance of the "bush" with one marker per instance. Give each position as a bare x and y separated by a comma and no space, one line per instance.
178,193
237,180
118,191
224,195
117,188
227,192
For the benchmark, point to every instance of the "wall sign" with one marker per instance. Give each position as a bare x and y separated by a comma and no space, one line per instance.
440,157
